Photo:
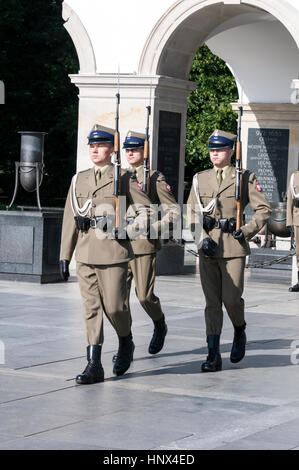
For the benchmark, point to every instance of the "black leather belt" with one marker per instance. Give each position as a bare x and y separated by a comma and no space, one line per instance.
225,225
102,222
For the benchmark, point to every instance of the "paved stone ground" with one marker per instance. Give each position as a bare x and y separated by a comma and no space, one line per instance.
163,402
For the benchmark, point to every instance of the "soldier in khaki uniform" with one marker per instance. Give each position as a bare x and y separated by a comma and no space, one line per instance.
143,267
102,257
293,217
223,250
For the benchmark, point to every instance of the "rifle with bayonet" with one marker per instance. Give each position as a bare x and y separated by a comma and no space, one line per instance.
238,195
117,163
146,159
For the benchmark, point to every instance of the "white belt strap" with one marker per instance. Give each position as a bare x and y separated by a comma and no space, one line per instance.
74,202
295,196
211,204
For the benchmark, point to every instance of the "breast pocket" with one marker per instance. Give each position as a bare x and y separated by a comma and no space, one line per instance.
206,196
82,197
228,202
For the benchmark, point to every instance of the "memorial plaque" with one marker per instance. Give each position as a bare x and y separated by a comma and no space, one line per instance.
169,148
267,157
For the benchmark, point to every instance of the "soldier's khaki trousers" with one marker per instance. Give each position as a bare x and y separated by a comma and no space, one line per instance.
104,289
222,281
143,269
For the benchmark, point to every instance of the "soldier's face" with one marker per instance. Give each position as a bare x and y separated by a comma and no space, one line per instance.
221,157
135,157
101,153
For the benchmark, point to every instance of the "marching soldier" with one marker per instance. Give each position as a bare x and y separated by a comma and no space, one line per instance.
223,250
293,217
143,267
102,259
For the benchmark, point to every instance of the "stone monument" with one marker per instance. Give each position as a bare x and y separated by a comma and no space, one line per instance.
30,236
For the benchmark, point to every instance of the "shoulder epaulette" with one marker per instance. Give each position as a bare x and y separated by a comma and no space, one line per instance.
83,171
203,171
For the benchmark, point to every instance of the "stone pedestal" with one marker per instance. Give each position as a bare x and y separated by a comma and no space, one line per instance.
170,259
30,245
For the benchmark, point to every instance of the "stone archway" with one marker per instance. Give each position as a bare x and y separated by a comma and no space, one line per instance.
169,27
266,90
81,40
164,65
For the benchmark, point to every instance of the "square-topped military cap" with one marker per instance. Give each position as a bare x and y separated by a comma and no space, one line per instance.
134,140
221,139
101,134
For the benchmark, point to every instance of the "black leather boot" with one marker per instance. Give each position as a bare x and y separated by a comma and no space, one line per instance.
94,371
295,288
157,341
239,343
214,361
124,355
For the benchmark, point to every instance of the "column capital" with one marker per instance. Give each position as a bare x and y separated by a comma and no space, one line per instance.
132,86
269,112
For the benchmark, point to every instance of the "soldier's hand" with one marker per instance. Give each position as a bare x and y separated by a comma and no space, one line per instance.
64,269
239,235
209,246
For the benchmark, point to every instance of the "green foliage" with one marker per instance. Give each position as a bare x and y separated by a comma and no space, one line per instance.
36,56
208,107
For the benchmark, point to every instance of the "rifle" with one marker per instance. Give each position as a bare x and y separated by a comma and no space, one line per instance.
239,218
117,161
146,166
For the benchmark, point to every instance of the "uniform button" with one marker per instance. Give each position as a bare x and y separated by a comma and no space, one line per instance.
94,205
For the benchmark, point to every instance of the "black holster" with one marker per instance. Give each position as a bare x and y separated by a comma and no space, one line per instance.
226,225
82,223
296,202
208,223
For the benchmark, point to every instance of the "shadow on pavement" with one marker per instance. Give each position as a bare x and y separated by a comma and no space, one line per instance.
194,367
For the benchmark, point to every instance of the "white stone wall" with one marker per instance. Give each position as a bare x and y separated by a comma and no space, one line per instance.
263,57
161,37
118,29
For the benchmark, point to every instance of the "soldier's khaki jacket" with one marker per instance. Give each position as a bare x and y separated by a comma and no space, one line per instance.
160,195
225,208
292,211
92,247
